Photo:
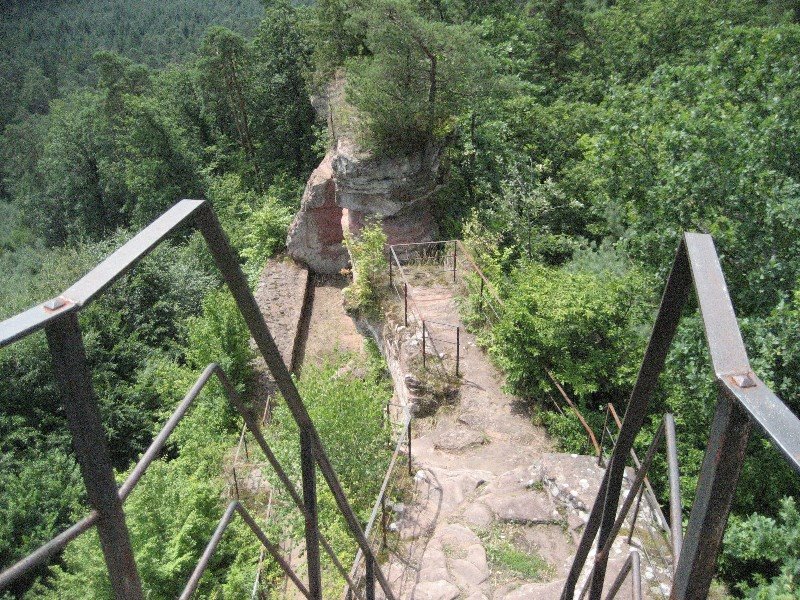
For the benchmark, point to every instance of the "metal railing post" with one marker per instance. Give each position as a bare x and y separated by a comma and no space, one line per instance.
455,248
88,436
458,348
423,345
602,439
405,304
391,278
408,436
370,583
308,468
604,509
636,576
675,507
716,486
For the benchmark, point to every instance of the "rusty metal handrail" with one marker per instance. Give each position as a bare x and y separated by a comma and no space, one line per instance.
41,555
633,566
652,500
208,553
405,436
58,317
743,399
410,302
494,297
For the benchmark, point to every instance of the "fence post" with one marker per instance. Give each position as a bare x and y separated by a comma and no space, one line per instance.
309,474
370,585
405,304
383,519
423,345
391,279
602,438
458,348
675,507
408,437
88,437
716,486
455,247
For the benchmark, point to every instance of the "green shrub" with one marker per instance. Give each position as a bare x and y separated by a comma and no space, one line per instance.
768,550
370,270
580,325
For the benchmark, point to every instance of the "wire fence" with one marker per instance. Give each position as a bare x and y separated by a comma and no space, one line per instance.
414,263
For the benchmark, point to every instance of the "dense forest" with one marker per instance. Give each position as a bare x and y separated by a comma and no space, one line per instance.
581,139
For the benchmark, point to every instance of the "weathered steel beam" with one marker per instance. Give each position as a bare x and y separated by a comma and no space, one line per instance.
91,450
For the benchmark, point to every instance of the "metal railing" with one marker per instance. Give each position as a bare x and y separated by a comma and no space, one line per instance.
665,429
743,399
490,306
633,566
379,508
59,319
652,499
428,254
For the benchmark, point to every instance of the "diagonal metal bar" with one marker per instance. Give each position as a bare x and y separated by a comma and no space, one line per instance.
604,510
52,314
102,276
227,261
272,549
233,508
602,556
252,425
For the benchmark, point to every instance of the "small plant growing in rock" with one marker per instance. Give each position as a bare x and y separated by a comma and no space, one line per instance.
370,270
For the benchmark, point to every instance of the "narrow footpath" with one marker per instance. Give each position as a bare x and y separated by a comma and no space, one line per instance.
496,512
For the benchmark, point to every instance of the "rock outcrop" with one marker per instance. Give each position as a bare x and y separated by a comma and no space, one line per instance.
352,186
315,235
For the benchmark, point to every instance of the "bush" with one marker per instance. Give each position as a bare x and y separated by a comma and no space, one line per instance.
370,270
580,325
760,545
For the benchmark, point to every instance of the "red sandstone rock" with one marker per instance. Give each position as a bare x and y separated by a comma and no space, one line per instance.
315,235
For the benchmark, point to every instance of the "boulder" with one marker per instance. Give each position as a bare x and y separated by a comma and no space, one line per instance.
384,186
315,235
352,187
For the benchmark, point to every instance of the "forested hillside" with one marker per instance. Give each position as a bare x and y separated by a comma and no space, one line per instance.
46,46
582,138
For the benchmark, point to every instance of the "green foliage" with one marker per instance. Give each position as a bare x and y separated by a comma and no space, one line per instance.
47,49
580,325
768,549
346,403
420,75
510,556
367,249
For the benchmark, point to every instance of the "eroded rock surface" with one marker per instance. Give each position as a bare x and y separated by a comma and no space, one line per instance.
352,186
315,235
493,512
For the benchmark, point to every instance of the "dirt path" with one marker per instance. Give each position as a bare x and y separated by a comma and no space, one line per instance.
495,512
328,328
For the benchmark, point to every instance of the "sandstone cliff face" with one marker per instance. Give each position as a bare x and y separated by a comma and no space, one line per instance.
352,187
315,235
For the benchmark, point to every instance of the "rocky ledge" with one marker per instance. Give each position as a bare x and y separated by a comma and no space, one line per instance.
352,187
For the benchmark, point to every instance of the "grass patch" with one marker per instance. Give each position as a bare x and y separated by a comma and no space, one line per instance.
509,554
